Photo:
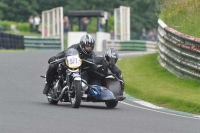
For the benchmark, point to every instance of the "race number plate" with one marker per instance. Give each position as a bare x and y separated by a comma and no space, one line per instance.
73,61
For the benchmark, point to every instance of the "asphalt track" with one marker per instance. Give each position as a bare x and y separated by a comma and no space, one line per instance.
24,109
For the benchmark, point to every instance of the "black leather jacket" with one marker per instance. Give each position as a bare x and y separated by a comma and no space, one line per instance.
81,54
90,57
102,71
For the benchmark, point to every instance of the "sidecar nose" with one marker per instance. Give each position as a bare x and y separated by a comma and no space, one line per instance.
106,94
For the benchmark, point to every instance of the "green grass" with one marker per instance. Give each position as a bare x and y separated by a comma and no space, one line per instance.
182,15
25,33
146,79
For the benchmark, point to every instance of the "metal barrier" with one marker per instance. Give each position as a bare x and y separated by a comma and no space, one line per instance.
11,41
178,53
40,43
132,45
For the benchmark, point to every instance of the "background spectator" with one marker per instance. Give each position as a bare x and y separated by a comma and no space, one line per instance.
66,24
155,33
37,23
150,36
84,23
143,35
101,24
31,23
112,36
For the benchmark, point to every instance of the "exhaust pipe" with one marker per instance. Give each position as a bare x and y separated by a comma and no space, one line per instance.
61,95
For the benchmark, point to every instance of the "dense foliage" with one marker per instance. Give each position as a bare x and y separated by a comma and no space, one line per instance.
142,11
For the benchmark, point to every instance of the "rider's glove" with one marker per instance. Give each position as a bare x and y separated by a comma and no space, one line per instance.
92,66
52,59
105,64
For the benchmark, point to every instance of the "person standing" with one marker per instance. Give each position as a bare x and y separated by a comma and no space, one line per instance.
84,23
66,24
37,23
143,35
31,23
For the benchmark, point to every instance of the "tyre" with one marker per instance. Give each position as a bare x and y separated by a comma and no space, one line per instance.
111,104
75,98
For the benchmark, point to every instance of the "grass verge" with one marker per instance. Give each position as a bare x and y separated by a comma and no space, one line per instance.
182,15
24,33
146,79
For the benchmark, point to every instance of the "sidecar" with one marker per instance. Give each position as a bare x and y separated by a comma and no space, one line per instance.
109,92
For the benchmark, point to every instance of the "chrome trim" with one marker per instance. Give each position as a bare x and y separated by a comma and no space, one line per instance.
77,78
73,71
61,95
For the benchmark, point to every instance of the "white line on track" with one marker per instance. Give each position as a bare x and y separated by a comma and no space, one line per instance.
194,117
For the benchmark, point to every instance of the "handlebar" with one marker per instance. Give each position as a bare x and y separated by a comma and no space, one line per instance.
57,60
88,61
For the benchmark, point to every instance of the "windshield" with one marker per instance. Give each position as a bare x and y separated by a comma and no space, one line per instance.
70,52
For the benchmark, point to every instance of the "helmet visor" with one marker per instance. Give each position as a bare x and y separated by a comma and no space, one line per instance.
88,48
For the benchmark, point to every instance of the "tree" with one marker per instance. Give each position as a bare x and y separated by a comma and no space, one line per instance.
142,11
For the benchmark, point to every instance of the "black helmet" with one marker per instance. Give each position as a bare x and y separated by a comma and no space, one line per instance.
87,40
111,56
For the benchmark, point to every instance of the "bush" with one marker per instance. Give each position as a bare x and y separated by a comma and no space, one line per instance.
20,26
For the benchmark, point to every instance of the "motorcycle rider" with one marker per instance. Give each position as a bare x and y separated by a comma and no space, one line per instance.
106,64
85,49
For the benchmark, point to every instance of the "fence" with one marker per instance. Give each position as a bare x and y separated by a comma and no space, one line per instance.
178,53
42,43
11,41
132,45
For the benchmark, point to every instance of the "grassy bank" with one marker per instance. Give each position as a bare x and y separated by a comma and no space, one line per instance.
146,79
182,15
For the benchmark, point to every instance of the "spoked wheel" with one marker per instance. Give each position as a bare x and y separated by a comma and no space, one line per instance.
49,98
76,95
111,104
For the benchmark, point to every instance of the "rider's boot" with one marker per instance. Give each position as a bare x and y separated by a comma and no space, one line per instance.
46,89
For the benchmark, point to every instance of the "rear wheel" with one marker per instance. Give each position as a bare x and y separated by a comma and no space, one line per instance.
75,97
111,104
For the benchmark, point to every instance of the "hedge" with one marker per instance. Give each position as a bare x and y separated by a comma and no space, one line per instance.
21,26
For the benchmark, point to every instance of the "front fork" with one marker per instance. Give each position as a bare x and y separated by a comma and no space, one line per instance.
76,77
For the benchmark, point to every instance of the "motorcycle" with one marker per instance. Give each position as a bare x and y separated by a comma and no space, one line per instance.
69,87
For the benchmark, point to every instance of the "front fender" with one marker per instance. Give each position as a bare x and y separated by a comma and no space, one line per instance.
76,77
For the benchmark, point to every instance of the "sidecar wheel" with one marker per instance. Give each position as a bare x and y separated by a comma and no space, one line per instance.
111,104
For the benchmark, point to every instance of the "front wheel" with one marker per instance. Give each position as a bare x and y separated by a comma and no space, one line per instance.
75,98
111,104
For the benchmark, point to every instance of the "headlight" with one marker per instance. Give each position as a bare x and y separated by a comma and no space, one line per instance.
73,61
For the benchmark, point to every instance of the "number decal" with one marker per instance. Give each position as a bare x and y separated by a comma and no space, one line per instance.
73,61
